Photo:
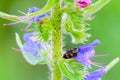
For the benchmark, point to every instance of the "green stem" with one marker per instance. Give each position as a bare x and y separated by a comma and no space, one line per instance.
56,43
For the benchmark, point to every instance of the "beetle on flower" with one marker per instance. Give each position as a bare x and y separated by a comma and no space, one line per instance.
86,53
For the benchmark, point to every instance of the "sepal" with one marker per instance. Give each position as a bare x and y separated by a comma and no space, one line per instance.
72,69
30,58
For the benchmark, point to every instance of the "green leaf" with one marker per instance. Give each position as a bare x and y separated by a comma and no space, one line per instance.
50,4
9,17
77,68
77,35
72,69
95,7
76,19
45,30
30,58
67,72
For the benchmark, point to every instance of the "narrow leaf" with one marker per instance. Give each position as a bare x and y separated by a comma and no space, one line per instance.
48,6
77,35
76,19
95,7
9,17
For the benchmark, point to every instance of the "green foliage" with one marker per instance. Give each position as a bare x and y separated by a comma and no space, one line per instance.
74,23
77,35
76,19
72,69
45,30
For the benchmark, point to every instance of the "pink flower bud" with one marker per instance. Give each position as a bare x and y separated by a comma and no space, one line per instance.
82,3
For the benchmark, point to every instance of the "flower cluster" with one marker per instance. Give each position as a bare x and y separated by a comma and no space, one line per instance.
84,54
37,47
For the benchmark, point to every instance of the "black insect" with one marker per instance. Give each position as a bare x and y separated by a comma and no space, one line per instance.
71,53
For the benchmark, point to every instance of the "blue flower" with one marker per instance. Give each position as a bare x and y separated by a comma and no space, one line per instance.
33,50
96,75
85,53
36,18
31,45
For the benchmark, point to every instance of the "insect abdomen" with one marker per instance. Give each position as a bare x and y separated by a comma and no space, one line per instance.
71,53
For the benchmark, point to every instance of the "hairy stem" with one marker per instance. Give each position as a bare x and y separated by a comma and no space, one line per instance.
56,43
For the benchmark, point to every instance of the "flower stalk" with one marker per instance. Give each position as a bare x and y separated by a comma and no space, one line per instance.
56,43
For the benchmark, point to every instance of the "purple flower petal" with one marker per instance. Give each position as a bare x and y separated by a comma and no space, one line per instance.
28,36
96,75
83,3
36,18
31,46
85,53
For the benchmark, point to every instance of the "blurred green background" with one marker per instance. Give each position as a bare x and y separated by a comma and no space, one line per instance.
105,26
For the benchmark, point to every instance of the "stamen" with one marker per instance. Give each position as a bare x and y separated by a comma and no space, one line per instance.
101,55
27,26
21,16
98,63
95,64
16,49
22,12
13,23
18,16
